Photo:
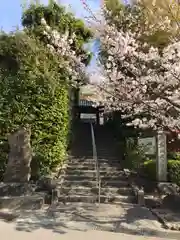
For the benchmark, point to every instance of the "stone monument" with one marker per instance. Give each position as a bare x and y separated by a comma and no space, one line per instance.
161,156
20,156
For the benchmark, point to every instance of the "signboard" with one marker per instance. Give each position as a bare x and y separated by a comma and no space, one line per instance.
148,145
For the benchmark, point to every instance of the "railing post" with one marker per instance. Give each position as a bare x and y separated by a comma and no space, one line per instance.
99,191
98,180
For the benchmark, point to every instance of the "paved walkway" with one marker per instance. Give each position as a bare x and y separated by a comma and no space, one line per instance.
85,221
9,232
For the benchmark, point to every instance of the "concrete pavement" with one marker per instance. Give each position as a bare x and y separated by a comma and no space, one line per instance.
85,220
8,231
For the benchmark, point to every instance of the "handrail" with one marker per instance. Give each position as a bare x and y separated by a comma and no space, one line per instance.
98,179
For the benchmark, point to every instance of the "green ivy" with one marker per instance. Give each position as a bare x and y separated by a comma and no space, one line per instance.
174,171
58,18
34,92
34,88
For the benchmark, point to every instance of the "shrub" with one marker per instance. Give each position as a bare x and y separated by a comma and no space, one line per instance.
34,92
149,168
174,171
4,149
135,155
173,155
34,84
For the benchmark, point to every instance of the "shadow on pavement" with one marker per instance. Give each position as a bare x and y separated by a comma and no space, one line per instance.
83,217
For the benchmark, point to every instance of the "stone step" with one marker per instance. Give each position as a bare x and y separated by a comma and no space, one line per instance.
70,207
87,183
80,161
114,183
94,198
82,183
101,160
113,177
73,177
35,201
94,190
92,173
103,167
78,158
91,164
79,177
109,161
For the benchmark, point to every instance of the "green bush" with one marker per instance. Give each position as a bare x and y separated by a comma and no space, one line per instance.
173,155
149,168
34,92
34,87
135,155
174,171
4,149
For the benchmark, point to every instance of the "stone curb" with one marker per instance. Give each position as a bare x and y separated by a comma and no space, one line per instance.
166,225
55,181
136,190
161,219
140,201
61,175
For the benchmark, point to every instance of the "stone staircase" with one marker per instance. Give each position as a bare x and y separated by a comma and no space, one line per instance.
114,183
80,180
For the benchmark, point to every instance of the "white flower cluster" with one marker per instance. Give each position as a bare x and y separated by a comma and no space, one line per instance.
141,82
62,45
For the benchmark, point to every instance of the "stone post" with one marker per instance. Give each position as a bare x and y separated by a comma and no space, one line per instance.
140,197
20,156
161,156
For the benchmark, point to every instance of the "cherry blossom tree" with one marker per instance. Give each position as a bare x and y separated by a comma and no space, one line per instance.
141,81
61,44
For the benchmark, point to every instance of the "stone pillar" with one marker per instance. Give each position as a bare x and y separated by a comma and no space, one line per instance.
20,156
140,197
161,156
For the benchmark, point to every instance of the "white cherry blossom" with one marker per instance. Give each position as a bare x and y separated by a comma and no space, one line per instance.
141,81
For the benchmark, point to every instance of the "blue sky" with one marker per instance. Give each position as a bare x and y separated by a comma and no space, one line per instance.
10,13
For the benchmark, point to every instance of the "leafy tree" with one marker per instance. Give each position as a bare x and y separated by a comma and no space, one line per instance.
57,18
34,92
36,66
157,12
114,6
139,17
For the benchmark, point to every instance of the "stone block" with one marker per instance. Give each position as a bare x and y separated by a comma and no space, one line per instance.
32,202
20,156
16,189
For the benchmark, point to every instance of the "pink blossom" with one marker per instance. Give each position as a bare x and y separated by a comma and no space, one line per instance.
138,82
